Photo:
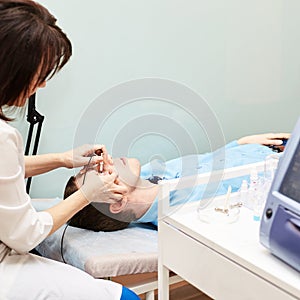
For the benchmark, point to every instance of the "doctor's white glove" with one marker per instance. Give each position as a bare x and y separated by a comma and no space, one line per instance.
81,156
102,188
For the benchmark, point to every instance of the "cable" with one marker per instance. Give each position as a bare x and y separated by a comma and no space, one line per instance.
62,242
68,223
87,166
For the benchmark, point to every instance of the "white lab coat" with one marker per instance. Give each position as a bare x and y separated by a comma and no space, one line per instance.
24,275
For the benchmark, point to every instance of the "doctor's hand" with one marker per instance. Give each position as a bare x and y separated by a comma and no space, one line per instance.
264,139
102,187
81,156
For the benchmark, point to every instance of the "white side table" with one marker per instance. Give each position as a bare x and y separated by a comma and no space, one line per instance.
224,261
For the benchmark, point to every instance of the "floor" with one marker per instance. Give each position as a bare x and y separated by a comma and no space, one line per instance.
178,291
187,292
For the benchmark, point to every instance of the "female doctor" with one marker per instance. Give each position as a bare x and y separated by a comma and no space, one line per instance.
32,49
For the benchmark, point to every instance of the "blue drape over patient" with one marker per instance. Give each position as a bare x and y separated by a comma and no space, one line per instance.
231,155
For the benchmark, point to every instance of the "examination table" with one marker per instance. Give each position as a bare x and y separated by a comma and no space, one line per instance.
109,254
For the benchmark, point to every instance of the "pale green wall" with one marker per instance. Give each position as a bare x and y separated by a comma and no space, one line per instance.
241,56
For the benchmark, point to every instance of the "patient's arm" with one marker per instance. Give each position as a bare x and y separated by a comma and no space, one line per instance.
264,139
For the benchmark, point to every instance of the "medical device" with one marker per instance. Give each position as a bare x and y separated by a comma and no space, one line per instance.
99,152
33,117
280,224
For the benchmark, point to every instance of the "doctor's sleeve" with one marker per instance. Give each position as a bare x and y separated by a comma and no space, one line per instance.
22,227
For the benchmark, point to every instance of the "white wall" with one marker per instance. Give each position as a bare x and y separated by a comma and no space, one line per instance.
241,56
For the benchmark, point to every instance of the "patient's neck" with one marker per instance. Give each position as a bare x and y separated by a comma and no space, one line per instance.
142,197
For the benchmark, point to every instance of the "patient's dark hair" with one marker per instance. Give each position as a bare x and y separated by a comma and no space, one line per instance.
97,216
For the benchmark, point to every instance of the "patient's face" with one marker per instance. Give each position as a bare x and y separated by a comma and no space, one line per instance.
128,170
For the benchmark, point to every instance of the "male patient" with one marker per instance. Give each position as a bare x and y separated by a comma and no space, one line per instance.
139,203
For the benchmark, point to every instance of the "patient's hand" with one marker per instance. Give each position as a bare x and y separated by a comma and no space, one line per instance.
264,139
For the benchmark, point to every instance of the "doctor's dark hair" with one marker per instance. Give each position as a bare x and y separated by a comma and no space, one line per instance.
97,216
32,49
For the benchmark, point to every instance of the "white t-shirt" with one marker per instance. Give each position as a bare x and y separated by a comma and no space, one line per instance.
21,226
